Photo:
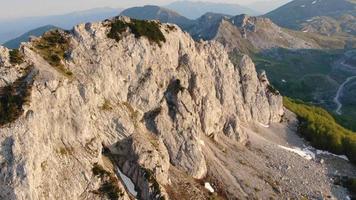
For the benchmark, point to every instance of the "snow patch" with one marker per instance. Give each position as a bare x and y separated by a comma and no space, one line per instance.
264,125
209,187
303,6
314,2
305,31
320,152
309,153
305,153
128,183
284,81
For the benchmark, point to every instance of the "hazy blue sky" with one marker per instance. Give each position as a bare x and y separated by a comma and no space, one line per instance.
21,8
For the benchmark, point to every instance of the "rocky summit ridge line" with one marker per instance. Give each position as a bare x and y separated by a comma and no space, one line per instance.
149,105
131,97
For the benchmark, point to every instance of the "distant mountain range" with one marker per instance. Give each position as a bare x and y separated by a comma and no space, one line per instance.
155,12
195,9
16,27
323,16
265,6
15,43
241,32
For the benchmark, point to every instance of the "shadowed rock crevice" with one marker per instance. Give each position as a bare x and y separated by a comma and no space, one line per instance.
171,97
141,83
126,158
149,119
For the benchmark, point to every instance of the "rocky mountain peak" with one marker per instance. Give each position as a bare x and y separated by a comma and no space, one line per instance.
119,98
249,23
150,12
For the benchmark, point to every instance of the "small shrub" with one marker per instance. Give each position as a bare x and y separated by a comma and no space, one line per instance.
140,28
53,46
110,186
12,98
99,171
272,90
117,28
133,113
16,57
171,27
64,151
106,105
44,165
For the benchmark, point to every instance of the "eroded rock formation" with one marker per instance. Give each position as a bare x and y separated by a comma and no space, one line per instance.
131,104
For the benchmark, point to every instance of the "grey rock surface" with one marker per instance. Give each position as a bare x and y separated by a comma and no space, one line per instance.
155,112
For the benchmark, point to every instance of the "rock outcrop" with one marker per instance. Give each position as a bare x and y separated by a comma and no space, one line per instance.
131,104
248,34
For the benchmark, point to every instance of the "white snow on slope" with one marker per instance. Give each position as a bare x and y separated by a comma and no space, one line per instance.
309,153
209,187
305,153
263,125
128,183
320,152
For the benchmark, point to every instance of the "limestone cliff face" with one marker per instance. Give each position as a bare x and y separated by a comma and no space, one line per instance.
129,105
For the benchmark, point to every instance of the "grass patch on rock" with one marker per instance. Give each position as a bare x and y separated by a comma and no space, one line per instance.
106,105
16,57
109,187
53,47
140,28
13,97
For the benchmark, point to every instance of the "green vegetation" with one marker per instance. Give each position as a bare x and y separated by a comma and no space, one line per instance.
308,75
65,151
16,57
171,28
110,186
99,171
149,29
106,105
12,98
44,165
53,46
301,74
321,129
272,90
347,119
10,105
351,185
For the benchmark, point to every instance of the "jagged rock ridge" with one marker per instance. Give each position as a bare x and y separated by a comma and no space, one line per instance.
130,105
